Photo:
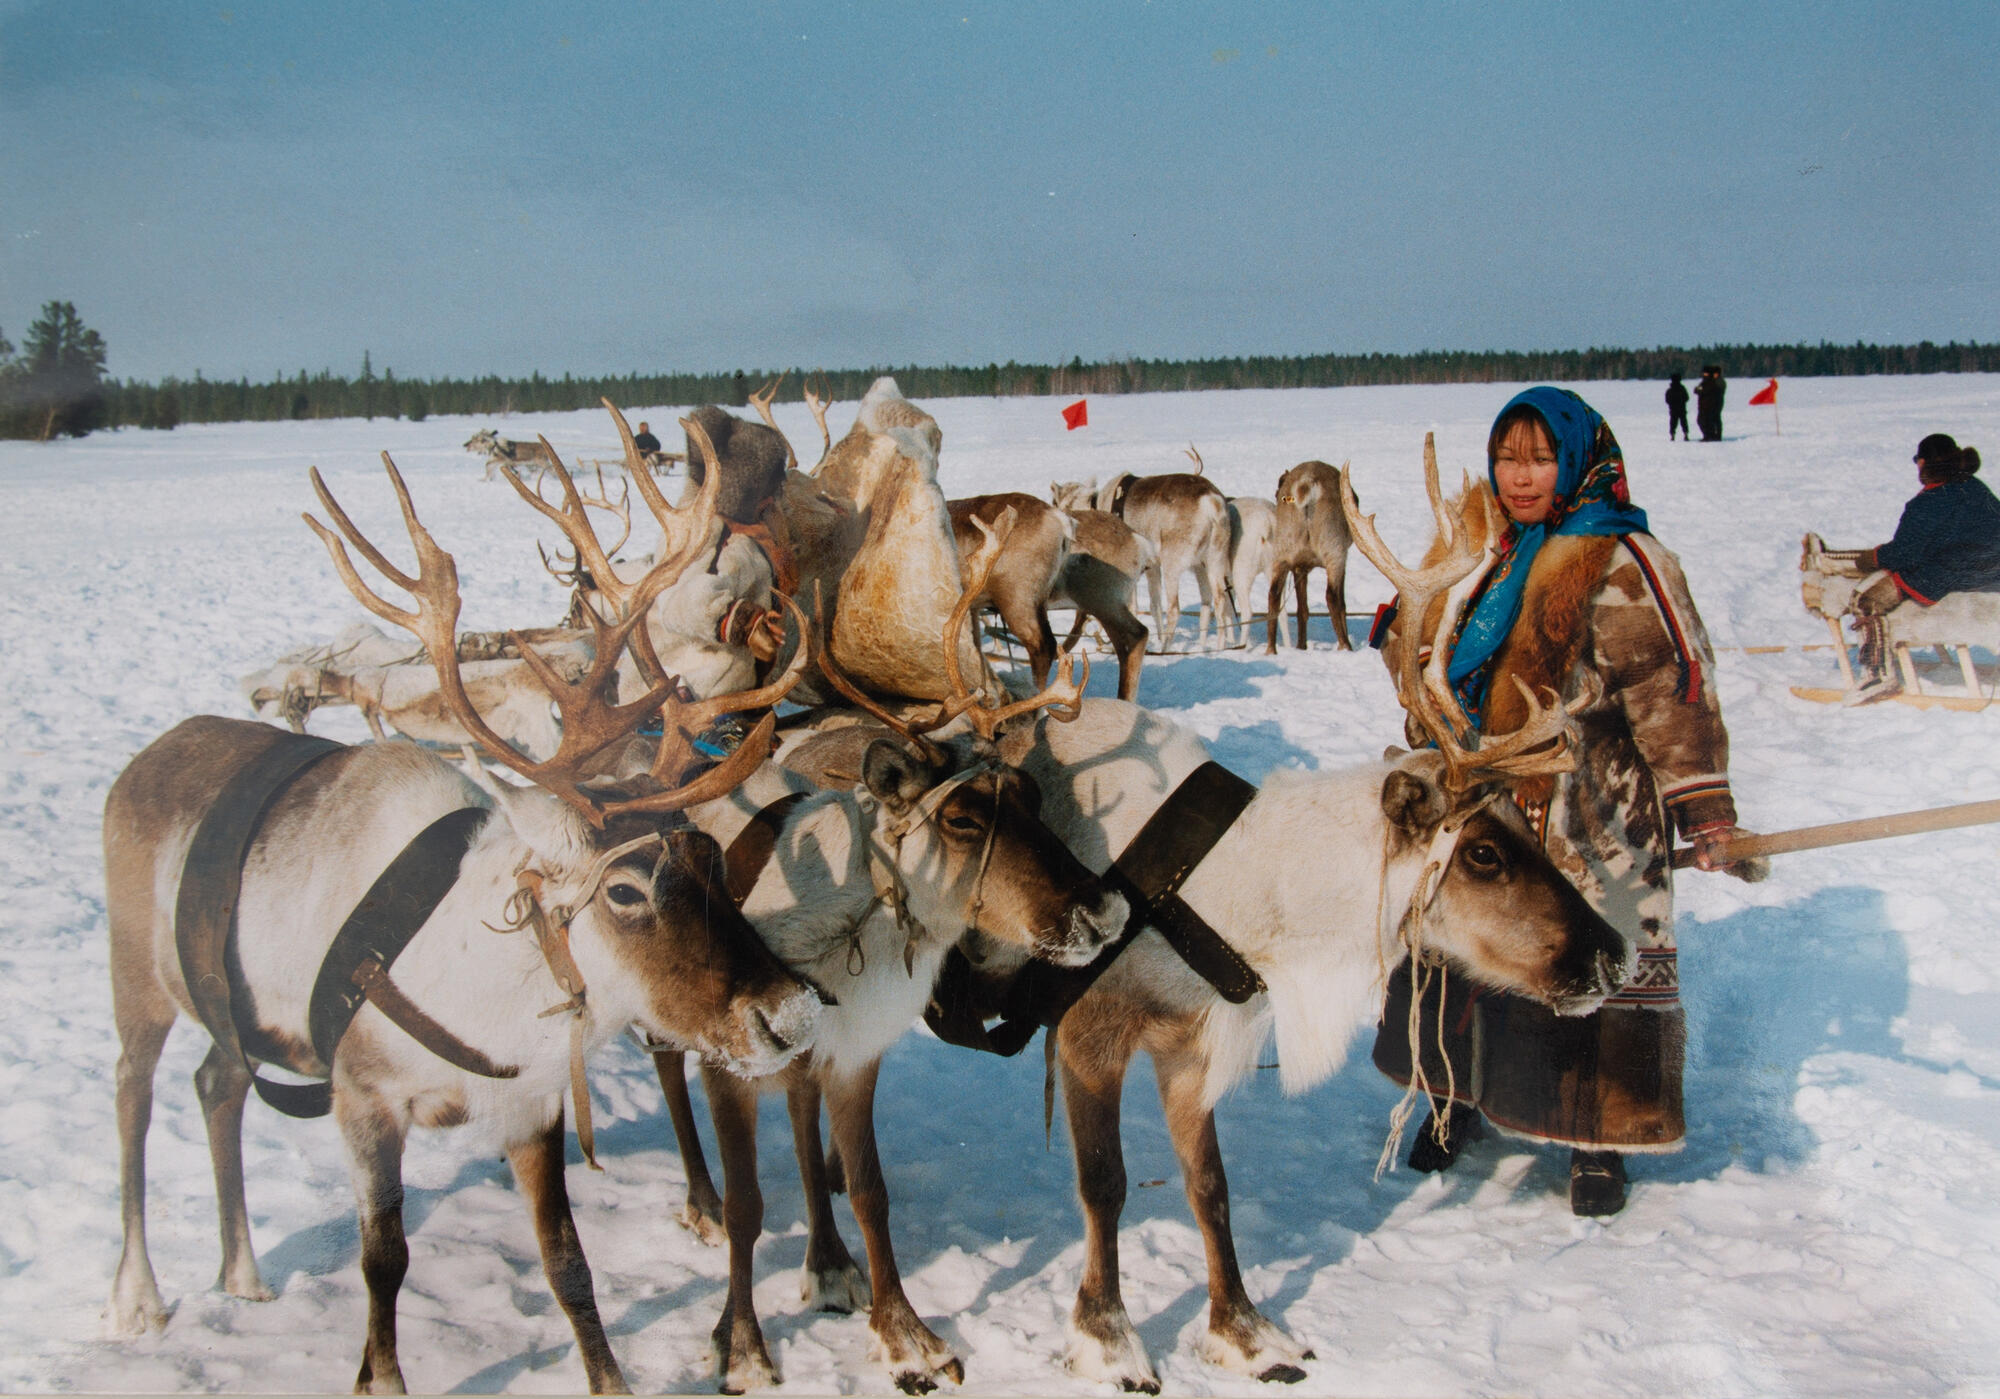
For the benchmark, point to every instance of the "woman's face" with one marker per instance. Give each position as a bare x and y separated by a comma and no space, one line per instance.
1525,469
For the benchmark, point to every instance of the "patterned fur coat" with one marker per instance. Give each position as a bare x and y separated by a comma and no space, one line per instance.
1653,751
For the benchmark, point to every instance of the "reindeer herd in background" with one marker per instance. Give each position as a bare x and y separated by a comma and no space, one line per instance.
782,895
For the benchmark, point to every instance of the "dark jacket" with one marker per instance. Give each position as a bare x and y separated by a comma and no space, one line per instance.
1948,541
1677,396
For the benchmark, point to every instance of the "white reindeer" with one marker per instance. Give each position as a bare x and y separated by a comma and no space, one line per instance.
631,925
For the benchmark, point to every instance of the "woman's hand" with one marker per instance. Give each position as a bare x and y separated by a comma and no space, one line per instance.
1711,852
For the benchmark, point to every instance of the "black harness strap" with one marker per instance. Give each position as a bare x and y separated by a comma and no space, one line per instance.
211,887
1120,488
356,964
1150,872
400,901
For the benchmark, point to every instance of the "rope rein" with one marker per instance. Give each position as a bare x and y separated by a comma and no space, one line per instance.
524,909
1425,970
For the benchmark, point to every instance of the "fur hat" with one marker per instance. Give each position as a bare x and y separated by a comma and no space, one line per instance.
1941,454
752,458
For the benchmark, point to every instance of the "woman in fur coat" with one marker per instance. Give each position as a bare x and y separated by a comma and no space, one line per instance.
1581,593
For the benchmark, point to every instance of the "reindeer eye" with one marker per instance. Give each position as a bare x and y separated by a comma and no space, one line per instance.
962,825
625,895
1483,857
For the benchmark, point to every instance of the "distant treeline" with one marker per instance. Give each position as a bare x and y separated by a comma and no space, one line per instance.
329,395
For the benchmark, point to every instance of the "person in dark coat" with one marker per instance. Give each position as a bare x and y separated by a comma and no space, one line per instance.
648,445
1677,409
1947,541
1708,394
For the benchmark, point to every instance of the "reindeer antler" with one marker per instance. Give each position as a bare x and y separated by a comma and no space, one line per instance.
587,557
1545,741
762,401
1063,698
591,720
819,400
1192,455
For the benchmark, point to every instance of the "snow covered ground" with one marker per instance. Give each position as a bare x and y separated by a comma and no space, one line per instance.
1833,1225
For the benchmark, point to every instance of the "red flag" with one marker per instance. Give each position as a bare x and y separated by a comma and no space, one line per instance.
1076,415
1767,394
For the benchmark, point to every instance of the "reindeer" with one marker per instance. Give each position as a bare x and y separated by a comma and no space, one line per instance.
502,452
1250,527
1086,558
1309,531
1832,580
1186,520
1424,856
227,886
863,892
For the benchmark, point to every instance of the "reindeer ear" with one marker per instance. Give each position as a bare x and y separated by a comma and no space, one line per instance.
896,776
1412,802
1017,740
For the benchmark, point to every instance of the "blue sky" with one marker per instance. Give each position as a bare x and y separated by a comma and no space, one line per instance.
497,187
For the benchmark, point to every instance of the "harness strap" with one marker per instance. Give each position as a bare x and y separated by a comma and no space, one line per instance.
1149,873
397,904
210,891
1119,490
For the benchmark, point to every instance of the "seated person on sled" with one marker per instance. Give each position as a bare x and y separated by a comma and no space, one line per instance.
1948,541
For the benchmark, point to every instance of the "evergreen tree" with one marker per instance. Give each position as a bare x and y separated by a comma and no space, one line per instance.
57,385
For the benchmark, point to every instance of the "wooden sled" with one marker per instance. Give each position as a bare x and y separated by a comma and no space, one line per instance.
1965,703
1973,698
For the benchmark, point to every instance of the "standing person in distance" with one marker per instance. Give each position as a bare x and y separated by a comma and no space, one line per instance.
1708,395
1582,598
1677,408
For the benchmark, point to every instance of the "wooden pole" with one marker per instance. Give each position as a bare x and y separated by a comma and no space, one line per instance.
1905,823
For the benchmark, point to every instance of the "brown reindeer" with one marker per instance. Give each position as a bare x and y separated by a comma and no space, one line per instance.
951,830
1186,519
234,853
1309,531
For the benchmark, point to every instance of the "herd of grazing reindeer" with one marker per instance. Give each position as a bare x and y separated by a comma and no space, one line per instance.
783,809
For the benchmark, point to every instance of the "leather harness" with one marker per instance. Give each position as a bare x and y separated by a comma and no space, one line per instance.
1149,873
357,962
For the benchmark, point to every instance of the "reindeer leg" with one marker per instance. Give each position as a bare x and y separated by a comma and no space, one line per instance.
701,1215
135,1294
374,1138
538,1169
829,1282
740,1355
222,1084
1128,638
1274,602
1336,605
1103,1344
913,1352
1155,590
1239,1337
1304,617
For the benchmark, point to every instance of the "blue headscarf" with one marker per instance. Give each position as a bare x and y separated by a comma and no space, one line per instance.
1590,498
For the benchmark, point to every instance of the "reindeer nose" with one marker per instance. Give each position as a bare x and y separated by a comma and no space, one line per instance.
826,997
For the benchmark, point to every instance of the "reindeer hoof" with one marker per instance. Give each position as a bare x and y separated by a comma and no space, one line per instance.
914,1383
1282,1374
1140,1386
704,1226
